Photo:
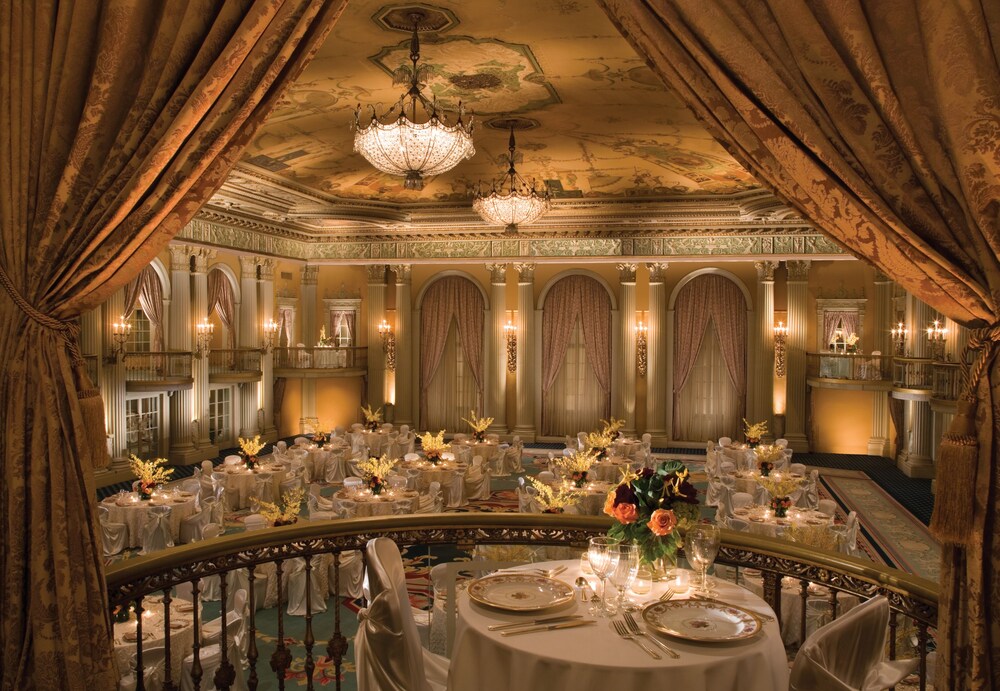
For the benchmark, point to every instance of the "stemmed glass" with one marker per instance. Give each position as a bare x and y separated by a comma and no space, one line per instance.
625,572
702,546
603,561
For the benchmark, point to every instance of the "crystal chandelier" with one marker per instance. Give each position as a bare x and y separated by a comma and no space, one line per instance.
399,145
512,201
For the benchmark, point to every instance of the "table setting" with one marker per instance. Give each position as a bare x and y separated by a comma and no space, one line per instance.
181,632
240,482
129,508
382,504
808,526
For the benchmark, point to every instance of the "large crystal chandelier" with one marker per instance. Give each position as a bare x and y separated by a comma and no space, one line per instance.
399,145
512,201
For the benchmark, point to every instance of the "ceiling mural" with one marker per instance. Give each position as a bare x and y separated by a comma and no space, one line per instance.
607,127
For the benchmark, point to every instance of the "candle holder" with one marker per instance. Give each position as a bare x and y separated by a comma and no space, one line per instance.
120,332
510,336
936,335
899,333
388,345
203,338
780,338
270,332
641,349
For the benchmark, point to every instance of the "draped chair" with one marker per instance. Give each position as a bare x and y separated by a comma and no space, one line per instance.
296,586
347,508
254,522
317,513
850,546
215,508
352,575
432,502
397,482
155,533
335,466
809,498
740,500
715,487
114,536
455,490
477,481
263,489
193,525
211,630
387,650
353,482
154,661
526,502
413,478
210,659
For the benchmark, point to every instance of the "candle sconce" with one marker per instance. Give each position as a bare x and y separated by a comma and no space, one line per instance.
388,344
780,340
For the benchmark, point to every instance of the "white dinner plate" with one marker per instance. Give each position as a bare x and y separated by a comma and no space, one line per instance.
520,592
702,620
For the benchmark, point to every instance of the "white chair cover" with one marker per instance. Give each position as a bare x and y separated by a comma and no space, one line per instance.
114,536
316,512
263,488
387,650
281,446
799,468
827,507
809,499
741,500
477,481
215,509
296,587
154,662
254,522
156,530
352,482
432,502
715,487
193,525
352,575
725,441
211,631
546,477
335,466
456,490
301,441
210,658
851,542
847,654
232,459
783,443
397,481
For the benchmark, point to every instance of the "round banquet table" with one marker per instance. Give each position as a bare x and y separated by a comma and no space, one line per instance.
592,497
240,483
383,504
594,658
608,470
628,448
377,442
807,526
443,472
486,449
128,509
181,634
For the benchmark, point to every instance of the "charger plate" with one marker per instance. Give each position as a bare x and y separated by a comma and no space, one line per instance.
520,592
702,620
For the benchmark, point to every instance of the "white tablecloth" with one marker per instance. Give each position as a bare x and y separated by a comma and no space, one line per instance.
444,473
608,470
486,449
134,515
382,504
181,634
240,483
806,526
594,658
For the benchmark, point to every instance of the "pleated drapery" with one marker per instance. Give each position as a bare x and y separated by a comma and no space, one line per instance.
222,301
148,293
708,406
878,122
453,391
451,298
570,299
847,321
119,119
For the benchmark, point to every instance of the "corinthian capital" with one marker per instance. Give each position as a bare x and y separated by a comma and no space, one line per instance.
626,272
765,270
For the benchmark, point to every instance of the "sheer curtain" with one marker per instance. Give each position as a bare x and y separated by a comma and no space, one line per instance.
847,321
452,392
708,406
575,401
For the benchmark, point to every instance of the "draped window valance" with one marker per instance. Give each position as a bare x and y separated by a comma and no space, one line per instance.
147,292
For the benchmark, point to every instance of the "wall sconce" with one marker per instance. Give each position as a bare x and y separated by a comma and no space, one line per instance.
388,345
203,336
780,338
510,336
641,348
120,332
270,331
899,333
935,337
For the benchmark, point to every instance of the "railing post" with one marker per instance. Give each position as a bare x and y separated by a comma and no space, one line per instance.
281,659
252,643
168,683
225,674
140,672
196,670
308,640
337,645
772,593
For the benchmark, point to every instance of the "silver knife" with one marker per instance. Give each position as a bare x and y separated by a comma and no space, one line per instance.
705,598
536,622
551,627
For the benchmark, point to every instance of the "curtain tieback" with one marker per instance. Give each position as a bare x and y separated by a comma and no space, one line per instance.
69,330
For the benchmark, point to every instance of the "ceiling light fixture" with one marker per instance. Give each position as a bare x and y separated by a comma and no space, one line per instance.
399,145
512,201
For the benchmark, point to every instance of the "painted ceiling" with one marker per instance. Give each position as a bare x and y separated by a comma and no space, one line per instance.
606,125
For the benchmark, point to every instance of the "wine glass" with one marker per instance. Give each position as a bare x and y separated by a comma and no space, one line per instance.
702,547
625,572
603,560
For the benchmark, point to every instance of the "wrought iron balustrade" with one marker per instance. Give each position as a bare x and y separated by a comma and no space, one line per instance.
320,357
157,367
947,381
232,361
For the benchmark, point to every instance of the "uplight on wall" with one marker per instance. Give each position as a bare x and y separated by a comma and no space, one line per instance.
203,338
120,332
780,338
388,344
641,348
510,336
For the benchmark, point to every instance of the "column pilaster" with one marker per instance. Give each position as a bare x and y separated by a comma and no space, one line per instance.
624,392
528,376
762,346
878,444
265,311
795,354
309,336
199,368
496,358
404,344
915,459
178,338
113,386
376,358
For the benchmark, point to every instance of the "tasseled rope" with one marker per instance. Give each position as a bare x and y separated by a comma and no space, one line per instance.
958,455
94,447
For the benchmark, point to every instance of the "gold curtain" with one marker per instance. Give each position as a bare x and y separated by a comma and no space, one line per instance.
118,119
880,123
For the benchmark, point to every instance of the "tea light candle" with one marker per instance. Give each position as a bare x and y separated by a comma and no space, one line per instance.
643,582
682,580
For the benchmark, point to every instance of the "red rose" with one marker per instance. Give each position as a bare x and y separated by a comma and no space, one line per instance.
662,522
625,513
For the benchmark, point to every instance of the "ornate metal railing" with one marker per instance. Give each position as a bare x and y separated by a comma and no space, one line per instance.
848,366
129,582
157,367
320,357
912,372
947,381
234,361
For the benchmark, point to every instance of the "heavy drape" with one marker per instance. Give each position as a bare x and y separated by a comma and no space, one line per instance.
222,300
847,321
452,392
146,290
118,119
570,299
708,407
575,401
880,123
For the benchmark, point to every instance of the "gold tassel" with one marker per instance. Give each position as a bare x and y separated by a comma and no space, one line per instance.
958,460
94,445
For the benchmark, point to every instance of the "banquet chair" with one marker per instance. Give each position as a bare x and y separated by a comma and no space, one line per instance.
347,508
727,468
456,496
781,443
335,465
850,546
193,525
207,484
352,575
263,488
232,459
301,441
397,481
809,499
514,455
432,502
210,658
547,477
296,586
477,481
526,502
211,630
738,524
353,482
498,465
323,503
387,650
318,513
848,654
155,532
725,441
291,484
254,521
799,468
402,507
715,487
724,508
581,440
459,453
827,507
740,500
154,662
114,536
281,446
572,443
460,437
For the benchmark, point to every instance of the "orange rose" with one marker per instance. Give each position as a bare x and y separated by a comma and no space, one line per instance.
609,504
662,522
625,513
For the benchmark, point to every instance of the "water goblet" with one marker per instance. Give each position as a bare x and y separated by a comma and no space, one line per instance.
625,572
603,560
702,546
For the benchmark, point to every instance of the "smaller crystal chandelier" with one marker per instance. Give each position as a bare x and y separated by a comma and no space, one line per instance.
511,201
401,145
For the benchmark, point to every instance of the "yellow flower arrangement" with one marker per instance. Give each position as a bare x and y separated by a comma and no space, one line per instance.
599,442
373,418
767,456
375,470
288,512
779,485
755,431
478,425
149,473
578,465
554,499
612,427
250,448
433,445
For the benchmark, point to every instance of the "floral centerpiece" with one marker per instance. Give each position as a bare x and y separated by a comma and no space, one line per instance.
613,428
779,487
649,506
433,446
321,437
249,448
287,512
149,474
554,499
599,443
373,418
577,465
121,613
767,456
851,342
479,425
375,470
754,432
324,340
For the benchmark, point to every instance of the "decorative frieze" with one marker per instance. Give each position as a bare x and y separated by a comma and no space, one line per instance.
310,275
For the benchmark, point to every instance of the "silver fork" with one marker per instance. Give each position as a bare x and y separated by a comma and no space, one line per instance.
623,632
669,593
633,626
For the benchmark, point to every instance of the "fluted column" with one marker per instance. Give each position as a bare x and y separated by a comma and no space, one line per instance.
624,393
496,359
199,368
113,385
265,305
376,358
249,337
308,335
883,316
795,355
404,345
182,409
761,371
528,375
656,353
915,459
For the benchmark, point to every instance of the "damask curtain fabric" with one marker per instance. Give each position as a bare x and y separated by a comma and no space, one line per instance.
222,301
708,406
848,321
146,290
878,122
575,402
453,391
571,299
119,120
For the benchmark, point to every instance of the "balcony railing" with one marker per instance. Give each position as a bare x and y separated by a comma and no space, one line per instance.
318,357
848,366
235,362
912,372
157,369
947,381
912,599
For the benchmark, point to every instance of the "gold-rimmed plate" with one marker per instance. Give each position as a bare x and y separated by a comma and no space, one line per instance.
520,592
703,621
